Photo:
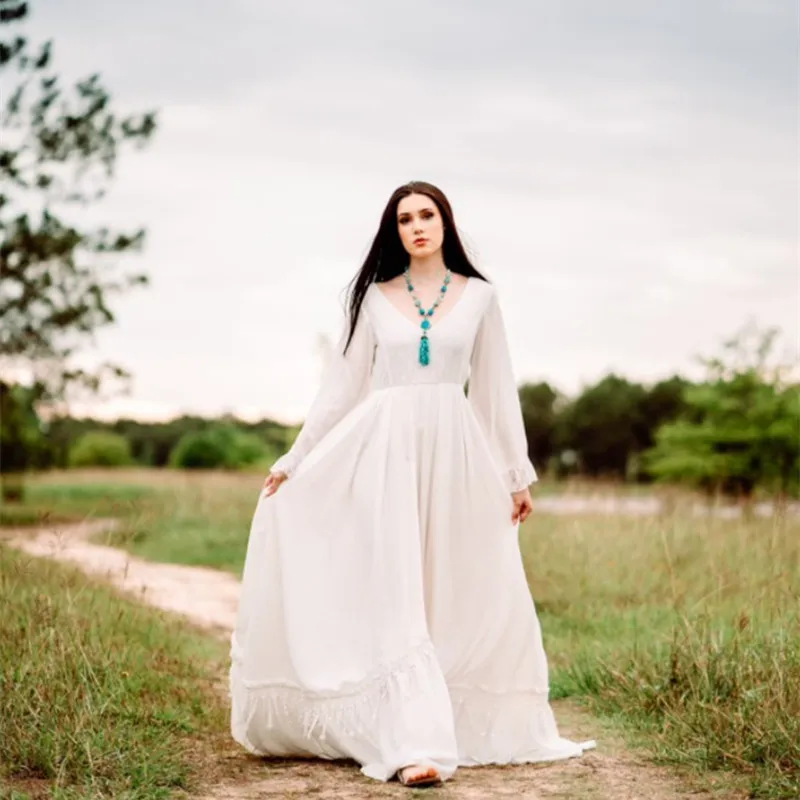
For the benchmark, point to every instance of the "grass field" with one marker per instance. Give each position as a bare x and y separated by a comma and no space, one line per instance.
101,698
685,630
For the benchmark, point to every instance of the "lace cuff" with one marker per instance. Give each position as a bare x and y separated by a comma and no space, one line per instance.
519,478
287,464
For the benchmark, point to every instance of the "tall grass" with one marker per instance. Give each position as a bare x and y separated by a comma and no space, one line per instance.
686,628
718,698
100,697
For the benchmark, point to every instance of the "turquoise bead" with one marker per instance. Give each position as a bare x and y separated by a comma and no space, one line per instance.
426,324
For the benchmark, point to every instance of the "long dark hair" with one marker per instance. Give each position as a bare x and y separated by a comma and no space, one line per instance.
387,257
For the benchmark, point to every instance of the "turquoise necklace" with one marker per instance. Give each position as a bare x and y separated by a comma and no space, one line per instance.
424,346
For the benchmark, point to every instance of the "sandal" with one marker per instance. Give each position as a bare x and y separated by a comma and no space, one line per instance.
422,776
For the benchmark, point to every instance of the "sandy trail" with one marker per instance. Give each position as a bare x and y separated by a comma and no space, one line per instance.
209,598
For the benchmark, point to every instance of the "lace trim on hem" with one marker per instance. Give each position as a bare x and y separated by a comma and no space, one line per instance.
487,720
350,711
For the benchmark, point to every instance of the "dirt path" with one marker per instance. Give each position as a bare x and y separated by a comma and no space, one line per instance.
209,598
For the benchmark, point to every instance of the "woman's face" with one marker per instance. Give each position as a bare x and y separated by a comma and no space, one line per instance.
420,225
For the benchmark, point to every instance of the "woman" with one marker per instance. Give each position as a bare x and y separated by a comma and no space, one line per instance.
385,615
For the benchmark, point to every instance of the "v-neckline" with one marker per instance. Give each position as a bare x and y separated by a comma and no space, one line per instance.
434,325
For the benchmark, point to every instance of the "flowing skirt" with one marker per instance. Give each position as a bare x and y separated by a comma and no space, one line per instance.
385,614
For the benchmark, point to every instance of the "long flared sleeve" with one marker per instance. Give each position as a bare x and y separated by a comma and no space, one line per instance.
494,398
345,383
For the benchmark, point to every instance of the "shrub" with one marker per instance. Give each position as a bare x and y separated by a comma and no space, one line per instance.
100,449
219,447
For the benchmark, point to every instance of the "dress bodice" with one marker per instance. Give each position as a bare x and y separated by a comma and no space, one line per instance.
468,343
396,339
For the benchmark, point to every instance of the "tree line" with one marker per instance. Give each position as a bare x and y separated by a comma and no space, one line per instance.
736,431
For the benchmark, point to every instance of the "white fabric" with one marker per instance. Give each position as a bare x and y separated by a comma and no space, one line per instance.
385,615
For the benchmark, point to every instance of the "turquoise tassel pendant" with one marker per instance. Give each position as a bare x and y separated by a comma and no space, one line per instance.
424,351
424,344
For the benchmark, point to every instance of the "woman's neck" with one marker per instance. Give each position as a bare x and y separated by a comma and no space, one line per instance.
427,270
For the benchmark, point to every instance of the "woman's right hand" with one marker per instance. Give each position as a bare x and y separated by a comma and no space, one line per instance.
273,482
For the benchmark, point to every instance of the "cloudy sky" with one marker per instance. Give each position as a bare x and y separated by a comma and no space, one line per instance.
625,171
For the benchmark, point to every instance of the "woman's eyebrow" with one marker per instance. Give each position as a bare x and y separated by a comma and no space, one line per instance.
419,211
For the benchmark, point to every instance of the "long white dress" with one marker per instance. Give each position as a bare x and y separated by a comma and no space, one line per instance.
385,615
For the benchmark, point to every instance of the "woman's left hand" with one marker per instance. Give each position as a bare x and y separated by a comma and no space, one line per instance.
523,505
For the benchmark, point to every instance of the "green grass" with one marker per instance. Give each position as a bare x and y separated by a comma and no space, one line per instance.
682,629
102,698
169,516
686,629
49,503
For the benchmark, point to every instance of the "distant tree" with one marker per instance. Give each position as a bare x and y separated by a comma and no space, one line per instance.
151,443
662,402
277,435
58,151
62,433
100,449
741,428
21,437
604,426
540,404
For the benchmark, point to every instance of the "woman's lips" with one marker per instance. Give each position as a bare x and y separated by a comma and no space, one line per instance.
420,241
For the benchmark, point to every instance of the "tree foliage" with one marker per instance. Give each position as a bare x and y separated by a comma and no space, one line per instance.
221,446
22,442
100,449
58,152
742,425
604,425
540,405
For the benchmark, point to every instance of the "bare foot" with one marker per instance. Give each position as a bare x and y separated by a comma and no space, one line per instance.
416,775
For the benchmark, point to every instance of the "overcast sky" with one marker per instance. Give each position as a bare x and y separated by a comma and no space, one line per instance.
625,171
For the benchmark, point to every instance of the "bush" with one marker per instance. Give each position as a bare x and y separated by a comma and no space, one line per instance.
219,447
100,449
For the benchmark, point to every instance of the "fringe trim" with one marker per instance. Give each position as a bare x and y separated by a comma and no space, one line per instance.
351,711
492,726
